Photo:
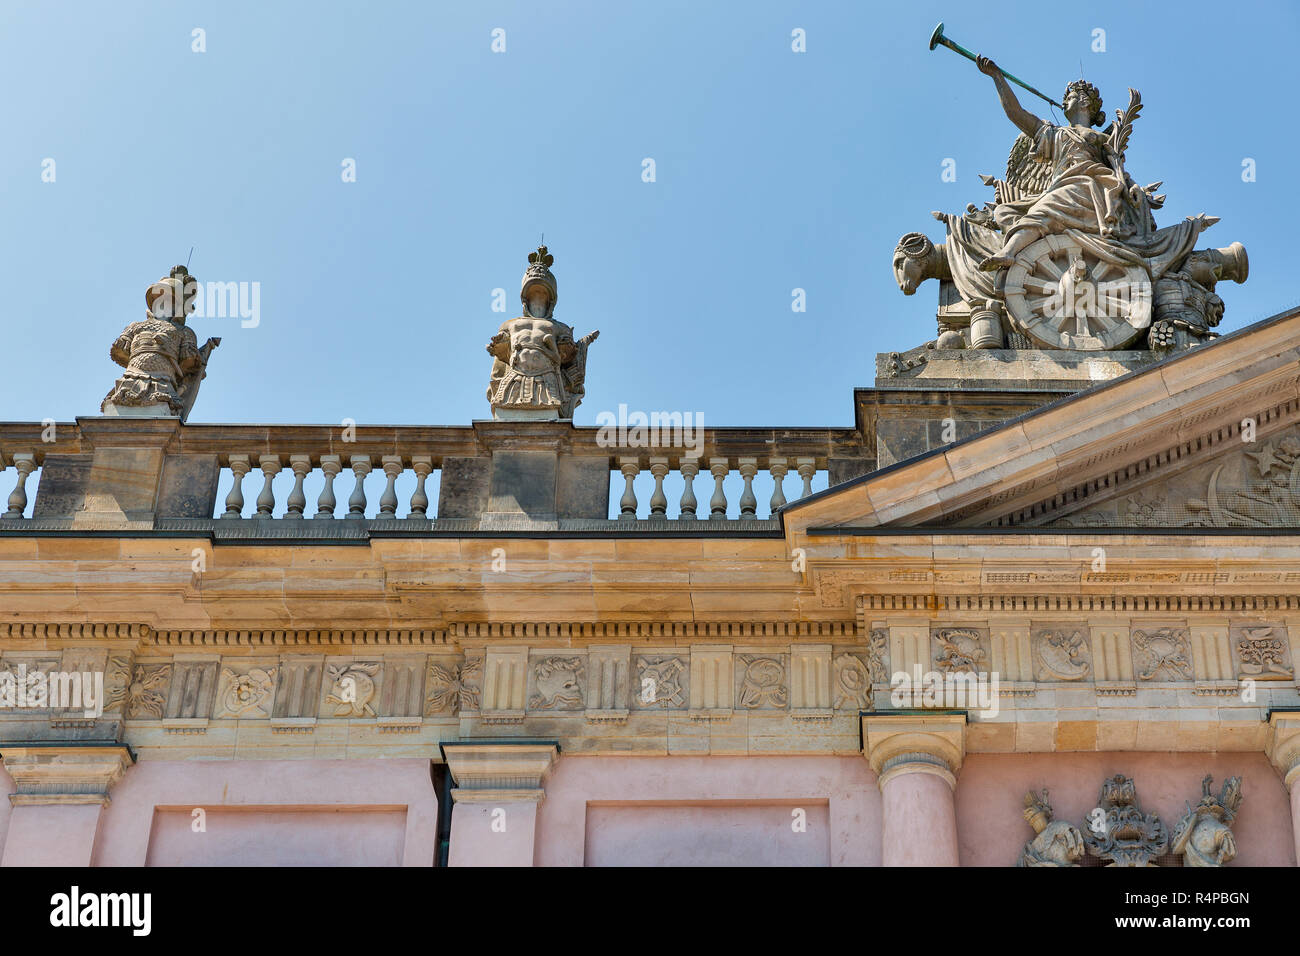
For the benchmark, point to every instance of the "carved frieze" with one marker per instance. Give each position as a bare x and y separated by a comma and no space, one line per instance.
852,683
146,695
558,684
762,682
1262,651
245,690
662,682
1162,653
351,689
1061,653
452,686
960,650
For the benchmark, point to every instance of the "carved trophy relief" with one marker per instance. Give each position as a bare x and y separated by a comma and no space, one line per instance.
1203,837
762,682
245,692
453,688
1061,654
852,683
353,688
558,684
960,650
1056,843
1162,653
661,682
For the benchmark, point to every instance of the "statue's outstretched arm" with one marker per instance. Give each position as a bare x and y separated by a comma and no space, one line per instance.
1024,120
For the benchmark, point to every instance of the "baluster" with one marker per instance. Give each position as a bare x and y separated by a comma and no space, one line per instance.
25,462
423,465
807,468
239,467
778,468
748,503
658,500
718,468
331,465
689,470
388,500
357,501
297,503
270,465
627,504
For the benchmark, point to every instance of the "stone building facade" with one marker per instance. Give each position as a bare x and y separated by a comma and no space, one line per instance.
1044,596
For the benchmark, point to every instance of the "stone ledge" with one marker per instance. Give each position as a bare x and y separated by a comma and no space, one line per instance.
50,774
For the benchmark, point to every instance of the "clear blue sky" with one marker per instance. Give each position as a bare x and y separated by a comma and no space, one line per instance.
775,170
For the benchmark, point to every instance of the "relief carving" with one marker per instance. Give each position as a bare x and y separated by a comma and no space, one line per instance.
246,694
1119,832
1062,654
852,684
660,682
146,696
1202,837
762,683
117,683
558,684
1163,652
453,689
961,649
1057,843
876,652
353,689
1262,651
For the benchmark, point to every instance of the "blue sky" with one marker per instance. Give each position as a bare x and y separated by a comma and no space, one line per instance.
774,170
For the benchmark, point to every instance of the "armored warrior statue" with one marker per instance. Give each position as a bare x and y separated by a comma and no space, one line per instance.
164,363
1202,837
538,369
1068,255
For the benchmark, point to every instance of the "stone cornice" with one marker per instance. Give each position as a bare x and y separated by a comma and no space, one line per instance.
494,772
64,774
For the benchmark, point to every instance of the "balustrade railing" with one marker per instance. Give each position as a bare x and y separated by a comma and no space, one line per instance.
298,472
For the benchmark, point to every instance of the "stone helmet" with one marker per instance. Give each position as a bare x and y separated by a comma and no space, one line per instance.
172,297
539,273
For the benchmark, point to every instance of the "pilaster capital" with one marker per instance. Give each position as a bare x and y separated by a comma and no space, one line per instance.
64,774
501,771
1283,746
896,744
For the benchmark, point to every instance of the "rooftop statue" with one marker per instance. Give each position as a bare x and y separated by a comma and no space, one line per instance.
1068,255
538,369
163,360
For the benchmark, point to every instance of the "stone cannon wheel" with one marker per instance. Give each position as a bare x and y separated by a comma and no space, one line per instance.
1063,296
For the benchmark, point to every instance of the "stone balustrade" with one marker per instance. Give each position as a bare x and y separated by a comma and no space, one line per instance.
410,474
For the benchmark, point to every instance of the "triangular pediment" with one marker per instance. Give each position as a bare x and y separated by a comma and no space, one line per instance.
1207,438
